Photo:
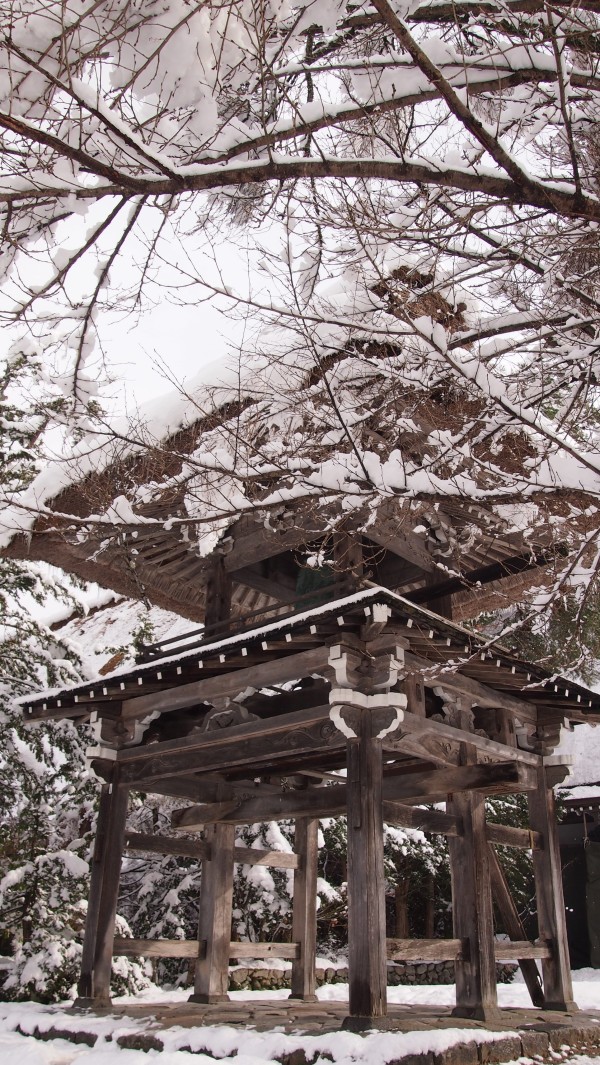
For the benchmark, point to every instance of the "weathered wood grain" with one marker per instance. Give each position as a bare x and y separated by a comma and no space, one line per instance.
426,950
214,926
556,970
513,925
304,914
367,975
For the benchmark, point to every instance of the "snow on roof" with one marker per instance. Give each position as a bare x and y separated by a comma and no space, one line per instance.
583,744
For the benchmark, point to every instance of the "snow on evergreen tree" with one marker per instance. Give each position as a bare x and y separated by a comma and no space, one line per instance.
47,792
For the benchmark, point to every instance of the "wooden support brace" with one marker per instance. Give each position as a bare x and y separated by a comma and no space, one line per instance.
514,926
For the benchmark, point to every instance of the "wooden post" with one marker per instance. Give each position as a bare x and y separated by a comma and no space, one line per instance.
472,911
96,961
367,957
556,970
214,924
217,607
304,919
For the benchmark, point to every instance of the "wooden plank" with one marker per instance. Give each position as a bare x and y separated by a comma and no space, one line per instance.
514,926
425,950
264,950
434,821
277,671
182,848
507,836
367,973
189,948
472,912
414,689
271,859
211,979
521,950
431,786
304,914
556,970
156,948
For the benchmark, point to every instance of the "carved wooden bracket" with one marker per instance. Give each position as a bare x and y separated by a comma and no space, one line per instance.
385,710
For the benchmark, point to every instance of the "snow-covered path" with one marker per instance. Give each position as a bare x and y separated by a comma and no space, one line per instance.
235,1046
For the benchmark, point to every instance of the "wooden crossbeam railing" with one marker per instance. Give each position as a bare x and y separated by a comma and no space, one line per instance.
187,848
425,950
191,948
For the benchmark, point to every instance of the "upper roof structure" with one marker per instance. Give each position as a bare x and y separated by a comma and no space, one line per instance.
288,466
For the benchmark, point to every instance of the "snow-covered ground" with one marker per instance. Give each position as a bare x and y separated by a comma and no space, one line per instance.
235,1046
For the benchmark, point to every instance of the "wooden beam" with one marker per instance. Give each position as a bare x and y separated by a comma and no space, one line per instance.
277,671
264,950
404,544
188,848
156,948
431,786
434,821
426,949
415,725
481,694
507,836
189,948
522,950
249,745
514,926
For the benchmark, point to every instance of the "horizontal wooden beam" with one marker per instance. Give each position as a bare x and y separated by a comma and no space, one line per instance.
192,948
507,836
230,683
156,948
188,848
249,745
414,725
430,786
264,950
434,821
521,950
180,848
426,949
481,694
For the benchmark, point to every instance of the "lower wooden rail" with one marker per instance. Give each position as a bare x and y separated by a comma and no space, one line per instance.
191,948
425,950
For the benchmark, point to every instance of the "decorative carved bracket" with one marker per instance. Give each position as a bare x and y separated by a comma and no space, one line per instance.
385,709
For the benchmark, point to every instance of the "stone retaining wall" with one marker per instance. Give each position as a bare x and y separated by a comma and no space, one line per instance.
246,978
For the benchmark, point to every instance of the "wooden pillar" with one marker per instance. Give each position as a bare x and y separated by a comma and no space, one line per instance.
96,961
304,918
556,970
472,911
214,924
217,608
367,957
